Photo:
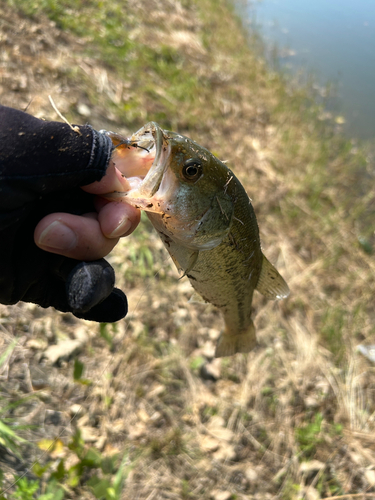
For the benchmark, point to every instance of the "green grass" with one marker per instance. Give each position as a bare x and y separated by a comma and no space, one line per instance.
157,72
309,436
9,428
103,476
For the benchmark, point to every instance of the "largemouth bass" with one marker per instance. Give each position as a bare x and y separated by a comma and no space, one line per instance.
206,222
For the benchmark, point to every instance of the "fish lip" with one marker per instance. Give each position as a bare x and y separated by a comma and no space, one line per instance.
154,176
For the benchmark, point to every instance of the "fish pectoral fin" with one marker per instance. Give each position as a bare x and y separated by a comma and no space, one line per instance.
176,263
197,299
271,284
228,344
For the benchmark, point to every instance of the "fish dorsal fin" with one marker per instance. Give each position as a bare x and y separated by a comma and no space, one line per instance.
271,284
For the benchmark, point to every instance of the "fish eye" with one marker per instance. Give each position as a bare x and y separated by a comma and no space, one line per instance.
192,169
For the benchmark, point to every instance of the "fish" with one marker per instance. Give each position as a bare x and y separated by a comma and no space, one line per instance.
207,223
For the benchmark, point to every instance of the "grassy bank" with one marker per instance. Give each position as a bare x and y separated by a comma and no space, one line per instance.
142,410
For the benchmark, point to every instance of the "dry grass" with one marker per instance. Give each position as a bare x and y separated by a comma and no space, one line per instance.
304,395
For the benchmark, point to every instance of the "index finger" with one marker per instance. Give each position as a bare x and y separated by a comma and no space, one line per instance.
112,181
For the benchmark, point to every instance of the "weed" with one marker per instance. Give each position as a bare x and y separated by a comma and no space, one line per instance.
101,474
9,428
106,334
9,438
110,487
329,486
78,369
291,490
186,493
170,444
196,363
309,436
332,331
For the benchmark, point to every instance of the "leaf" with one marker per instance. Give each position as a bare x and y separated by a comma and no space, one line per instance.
60,472
92,458
7,352
77,443
10,439
15,404
108,464
55,447
111,494
54,491
8,432
99,486
105,334
39,470
74,475
78,369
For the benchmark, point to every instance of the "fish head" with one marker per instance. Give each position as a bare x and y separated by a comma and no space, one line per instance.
183,189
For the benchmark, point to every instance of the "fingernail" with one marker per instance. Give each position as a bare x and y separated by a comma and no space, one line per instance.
58,236
121,229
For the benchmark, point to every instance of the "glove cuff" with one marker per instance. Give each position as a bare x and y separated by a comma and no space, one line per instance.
101,150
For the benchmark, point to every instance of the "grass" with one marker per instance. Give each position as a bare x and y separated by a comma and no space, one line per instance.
149,426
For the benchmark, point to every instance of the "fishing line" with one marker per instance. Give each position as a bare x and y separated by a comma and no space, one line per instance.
96,382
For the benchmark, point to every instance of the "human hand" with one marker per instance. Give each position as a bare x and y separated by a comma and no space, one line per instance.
42,165
92,235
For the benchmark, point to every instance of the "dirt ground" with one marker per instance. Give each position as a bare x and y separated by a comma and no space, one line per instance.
294,418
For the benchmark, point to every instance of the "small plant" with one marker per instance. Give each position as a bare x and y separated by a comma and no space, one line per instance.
78,371
27,488
170,444
110,488
8,426
333,325
328,486
9,438
309,435
196,362
106,479
291,490
106,334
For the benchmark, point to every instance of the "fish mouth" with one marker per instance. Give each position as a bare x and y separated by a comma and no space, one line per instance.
133,157
152,136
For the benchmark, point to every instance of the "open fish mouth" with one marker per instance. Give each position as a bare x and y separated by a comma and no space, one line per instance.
143,160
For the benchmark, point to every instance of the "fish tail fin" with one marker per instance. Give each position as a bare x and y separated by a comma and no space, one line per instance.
228,344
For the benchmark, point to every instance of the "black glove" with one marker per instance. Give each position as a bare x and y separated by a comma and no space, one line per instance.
42,165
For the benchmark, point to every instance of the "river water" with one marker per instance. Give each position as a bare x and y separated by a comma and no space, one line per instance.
334,40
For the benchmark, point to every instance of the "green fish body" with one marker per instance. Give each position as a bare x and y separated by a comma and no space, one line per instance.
208,225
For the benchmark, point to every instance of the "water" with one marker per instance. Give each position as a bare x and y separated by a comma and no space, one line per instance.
333,39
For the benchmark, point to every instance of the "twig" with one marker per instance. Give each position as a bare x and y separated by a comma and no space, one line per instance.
353,495
27,107
75,129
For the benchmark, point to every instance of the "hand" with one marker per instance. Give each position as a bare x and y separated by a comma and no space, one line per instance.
42,165
90,237
51,230
93,235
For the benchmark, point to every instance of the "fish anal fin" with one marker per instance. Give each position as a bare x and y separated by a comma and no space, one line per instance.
193,257
228,345
271,284
197,299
